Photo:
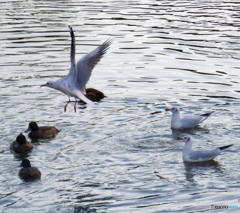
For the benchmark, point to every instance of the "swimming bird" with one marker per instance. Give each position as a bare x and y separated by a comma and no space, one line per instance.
190,155
74,83
21,145
94,94
28,173
186,121
44,132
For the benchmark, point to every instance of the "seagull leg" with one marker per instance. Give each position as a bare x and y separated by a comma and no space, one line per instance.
65,107
75,105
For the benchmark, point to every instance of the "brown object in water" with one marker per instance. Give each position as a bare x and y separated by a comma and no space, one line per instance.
94,95
21,145
28,173
44,132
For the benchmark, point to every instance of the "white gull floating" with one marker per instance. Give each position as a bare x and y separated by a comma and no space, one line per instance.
202,155
185,121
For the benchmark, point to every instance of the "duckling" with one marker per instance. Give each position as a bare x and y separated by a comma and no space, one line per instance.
28,173
21,145
41,132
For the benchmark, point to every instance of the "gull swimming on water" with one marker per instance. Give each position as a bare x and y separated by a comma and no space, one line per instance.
190,155
186,121
74,83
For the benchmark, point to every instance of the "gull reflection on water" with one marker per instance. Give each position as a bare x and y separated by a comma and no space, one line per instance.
193,169
176,133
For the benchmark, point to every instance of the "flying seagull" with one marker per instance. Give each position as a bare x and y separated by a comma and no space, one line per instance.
74,83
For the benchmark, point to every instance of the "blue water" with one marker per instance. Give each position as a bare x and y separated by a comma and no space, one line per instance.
120,155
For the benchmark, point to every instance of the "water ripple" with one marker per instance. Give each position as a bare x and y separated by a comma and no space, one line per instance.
120,155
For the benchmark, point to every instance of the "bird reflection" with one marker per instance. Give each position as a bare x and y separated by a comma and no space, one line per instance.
176,133
192,169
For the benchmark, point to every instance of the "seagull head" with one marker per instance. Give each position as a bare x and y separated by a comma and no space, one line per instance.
172,109
48,84
186,138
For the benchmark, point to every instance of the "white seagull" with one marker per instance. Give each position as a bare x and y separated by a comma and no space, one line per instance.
186,121
74,83
190,155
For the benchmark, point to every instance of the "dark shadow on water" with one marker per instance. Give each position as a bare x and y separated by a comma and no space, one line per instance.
192,169
84,209
83,201
37,141
176,132
20,157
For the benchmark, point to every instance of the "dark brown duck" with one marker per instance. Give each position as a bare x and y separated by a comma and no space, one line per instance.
21,145
28,173
42,131
93,95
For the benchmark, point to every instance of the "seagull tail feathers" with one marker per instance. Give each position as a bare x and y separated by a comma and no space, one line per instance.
207,114
224,147
83,98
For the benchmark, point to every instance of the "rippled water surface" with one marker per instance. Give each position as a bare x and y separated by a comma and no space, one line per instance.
120,155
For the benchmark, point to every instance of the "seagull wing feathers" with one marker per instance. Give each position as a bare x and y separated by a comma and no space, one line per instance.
86,64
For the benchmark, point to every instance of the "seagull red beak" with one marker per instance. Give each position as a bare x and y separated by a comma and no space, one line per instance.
167,109
179,138
43,85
